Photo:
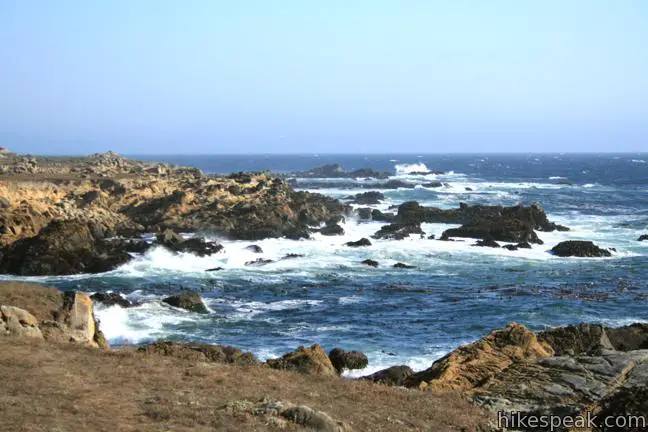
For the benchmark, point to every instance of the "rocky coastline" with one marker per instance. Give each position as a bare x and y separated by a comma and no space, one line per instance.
565,371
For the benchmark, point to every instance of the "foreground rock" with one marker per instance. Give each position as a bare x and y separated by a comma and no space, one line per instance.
579,248
32,310
188,300
309,361
471,365
392,376
342,360
200,352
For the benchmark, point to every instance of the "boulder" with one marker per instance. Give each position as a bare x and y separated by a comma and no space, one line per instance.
74,322
395,184
579,248
112,299
169,238
292,256
313,420
342,360
370,263
403,266
254,249
643,237
198,246
392,376
199,352
511,247
188,300
213,269
434,184
359,243
506,230
472,365
310,361
18,322
332,229
583,339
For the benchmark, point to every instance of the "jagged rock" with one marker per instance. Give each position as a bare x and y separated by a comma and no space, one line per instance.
628,338
434,184
188,300
471,365
403,266
200,352
579,248
359,243
370,263
506,230
341,359
170,238
564,386
112,299
577,340
310,361
511,247
398,231
393,376
18,322
367,198
62,248
469,189
379,216
258,262
395,184
254,249
643,237
195,245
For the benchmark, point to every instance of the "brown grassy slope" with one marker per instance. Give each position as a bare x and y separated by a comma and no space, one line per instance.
65,387
39,300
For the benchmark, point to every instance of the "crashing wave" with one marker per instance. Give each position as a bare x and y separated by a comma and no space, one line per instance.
415,168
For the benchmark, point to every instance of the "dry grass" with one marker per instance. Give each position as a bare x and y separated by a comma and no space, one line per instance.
39,300
64,387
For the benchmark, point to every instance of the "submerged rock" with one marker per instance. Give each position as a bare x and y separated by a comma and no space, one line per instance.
643,237
370,263
488,243
403,266
579,248
359,243
254,249
188,300
259,262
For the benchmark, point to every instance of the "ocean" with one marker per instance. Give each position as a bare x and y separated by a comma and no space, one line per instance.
457,292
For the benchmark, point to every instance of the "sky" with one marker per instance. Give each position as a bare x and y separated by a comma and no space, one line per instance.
294,76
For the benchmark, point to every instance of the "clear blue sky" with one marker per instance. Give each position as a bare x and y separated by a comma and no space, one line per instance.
210,76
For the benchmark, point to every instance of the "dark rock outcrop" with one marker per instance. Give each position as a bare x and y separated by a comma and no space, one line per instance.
579,248
370,263
332,230
403,266
397,231
112,299
258,262
359,243
379,216
342,360
254,249
188,300
366,198
643,237
488,242
628,338
336,171
195,245
392,376
364,213
584,339
62,248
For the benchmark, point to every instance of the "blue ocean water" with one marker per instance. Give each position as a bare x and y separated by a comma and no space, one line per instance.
456,293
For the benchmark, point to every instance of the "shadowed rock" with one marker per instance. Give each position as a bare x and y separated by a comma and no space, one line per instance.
359,243
310,361
347,360
579,248
188,300
370,263
393,376
112,299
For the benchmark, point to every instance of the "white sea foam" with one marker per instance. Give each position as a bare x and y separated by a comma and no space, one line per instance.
404,168
639,161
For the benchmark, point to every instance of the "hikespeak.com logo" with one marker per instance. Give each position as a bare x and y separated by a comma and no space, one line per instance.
518,420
